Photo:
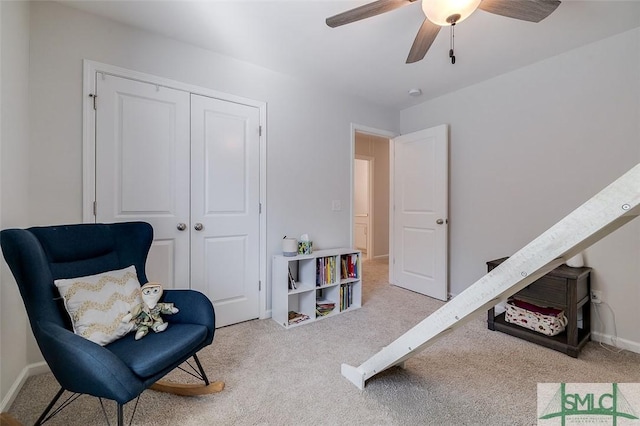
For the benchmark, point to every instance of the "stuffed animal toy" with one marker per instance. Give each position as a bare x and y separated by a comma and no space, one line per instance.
147,314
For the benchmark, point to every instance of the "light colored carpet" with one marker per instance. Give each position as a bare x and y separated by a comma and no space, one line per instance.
274,376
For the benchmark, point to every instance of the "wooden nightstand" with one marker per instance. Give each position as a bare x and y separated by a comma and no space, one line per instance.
564,288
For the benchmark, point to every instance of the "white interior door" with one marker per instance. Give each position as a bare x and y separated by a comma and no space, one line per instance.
225,202
142,168
420,200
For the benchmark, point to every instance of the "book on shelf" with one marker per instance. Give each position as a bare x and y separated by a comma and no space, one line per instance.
296,317
349,266
325,270
346,296
343,262
292,282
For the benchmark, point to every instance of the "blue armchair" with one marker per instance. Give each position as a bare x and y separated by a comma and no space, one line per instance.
123,369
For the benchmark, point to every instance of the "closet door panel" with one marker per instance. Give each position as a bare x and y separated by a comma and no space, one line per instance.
225,153
225,197
142,168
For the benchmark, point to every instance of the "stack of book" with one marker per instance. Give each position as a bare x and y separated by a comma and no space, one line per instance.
324,307
296,317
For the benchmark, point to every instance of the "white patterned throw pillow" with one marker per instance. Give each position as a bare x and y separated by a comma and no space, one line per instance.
97,303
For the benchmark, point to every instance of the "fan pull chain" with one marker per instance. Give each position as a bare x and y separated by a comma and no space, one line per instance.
451,43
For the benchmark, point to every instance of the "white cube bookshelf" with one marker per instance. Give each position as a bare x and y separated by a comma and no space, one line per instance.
327,283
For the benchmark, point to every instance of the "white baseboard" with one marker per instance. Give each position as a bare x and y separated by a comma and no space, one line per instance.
28,371
617,342
381,256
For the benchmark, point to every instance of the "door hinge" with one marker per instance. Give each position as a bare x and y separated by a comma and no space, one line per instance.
259,208
91,95
259,285
259,130
95,208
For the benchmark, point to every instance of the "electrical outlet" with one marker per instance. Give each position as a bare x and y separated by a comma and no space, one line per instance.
336,205
596,296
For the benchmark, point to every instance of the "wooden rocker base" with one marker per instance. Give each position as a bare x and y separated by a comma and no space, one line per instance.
187,389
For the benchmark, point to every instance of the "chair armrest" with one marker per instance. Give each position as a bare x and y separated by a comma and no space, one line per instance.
195,308
83,366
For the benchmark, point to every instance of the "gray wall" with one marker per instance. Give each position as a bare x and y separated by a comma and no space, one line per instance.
14,178
528,147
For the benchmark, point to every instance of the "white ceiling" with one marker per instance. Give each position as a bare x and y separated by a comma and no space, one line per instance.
367,58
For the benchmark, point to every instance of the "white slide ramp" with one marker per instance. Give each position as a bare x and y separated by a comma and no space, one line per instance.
607,211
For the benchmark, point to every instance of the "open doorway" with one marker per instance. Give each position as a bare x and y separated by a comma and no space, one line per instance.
370,222
363,197
411,240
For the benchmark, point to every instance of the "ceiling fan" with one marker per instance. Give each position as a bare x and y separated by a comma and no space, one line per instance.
440,13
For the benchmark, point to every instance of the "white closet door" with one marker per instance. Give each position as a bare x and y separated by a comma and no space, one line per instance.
225,197
142,168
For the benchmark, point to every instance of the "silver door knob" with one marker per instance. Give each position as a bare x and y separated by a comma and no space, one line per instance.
440,221
181,226
198,227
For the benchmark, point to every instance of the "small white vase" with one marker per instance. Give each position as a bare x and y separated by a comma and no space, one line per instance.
289,247
576,261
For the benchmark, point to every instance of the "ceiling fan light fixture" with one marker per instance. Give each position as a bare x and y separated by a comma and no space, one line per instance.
447,12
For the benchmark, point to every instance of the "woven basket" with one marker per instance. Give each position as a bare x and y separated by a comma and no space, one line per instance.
547,321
